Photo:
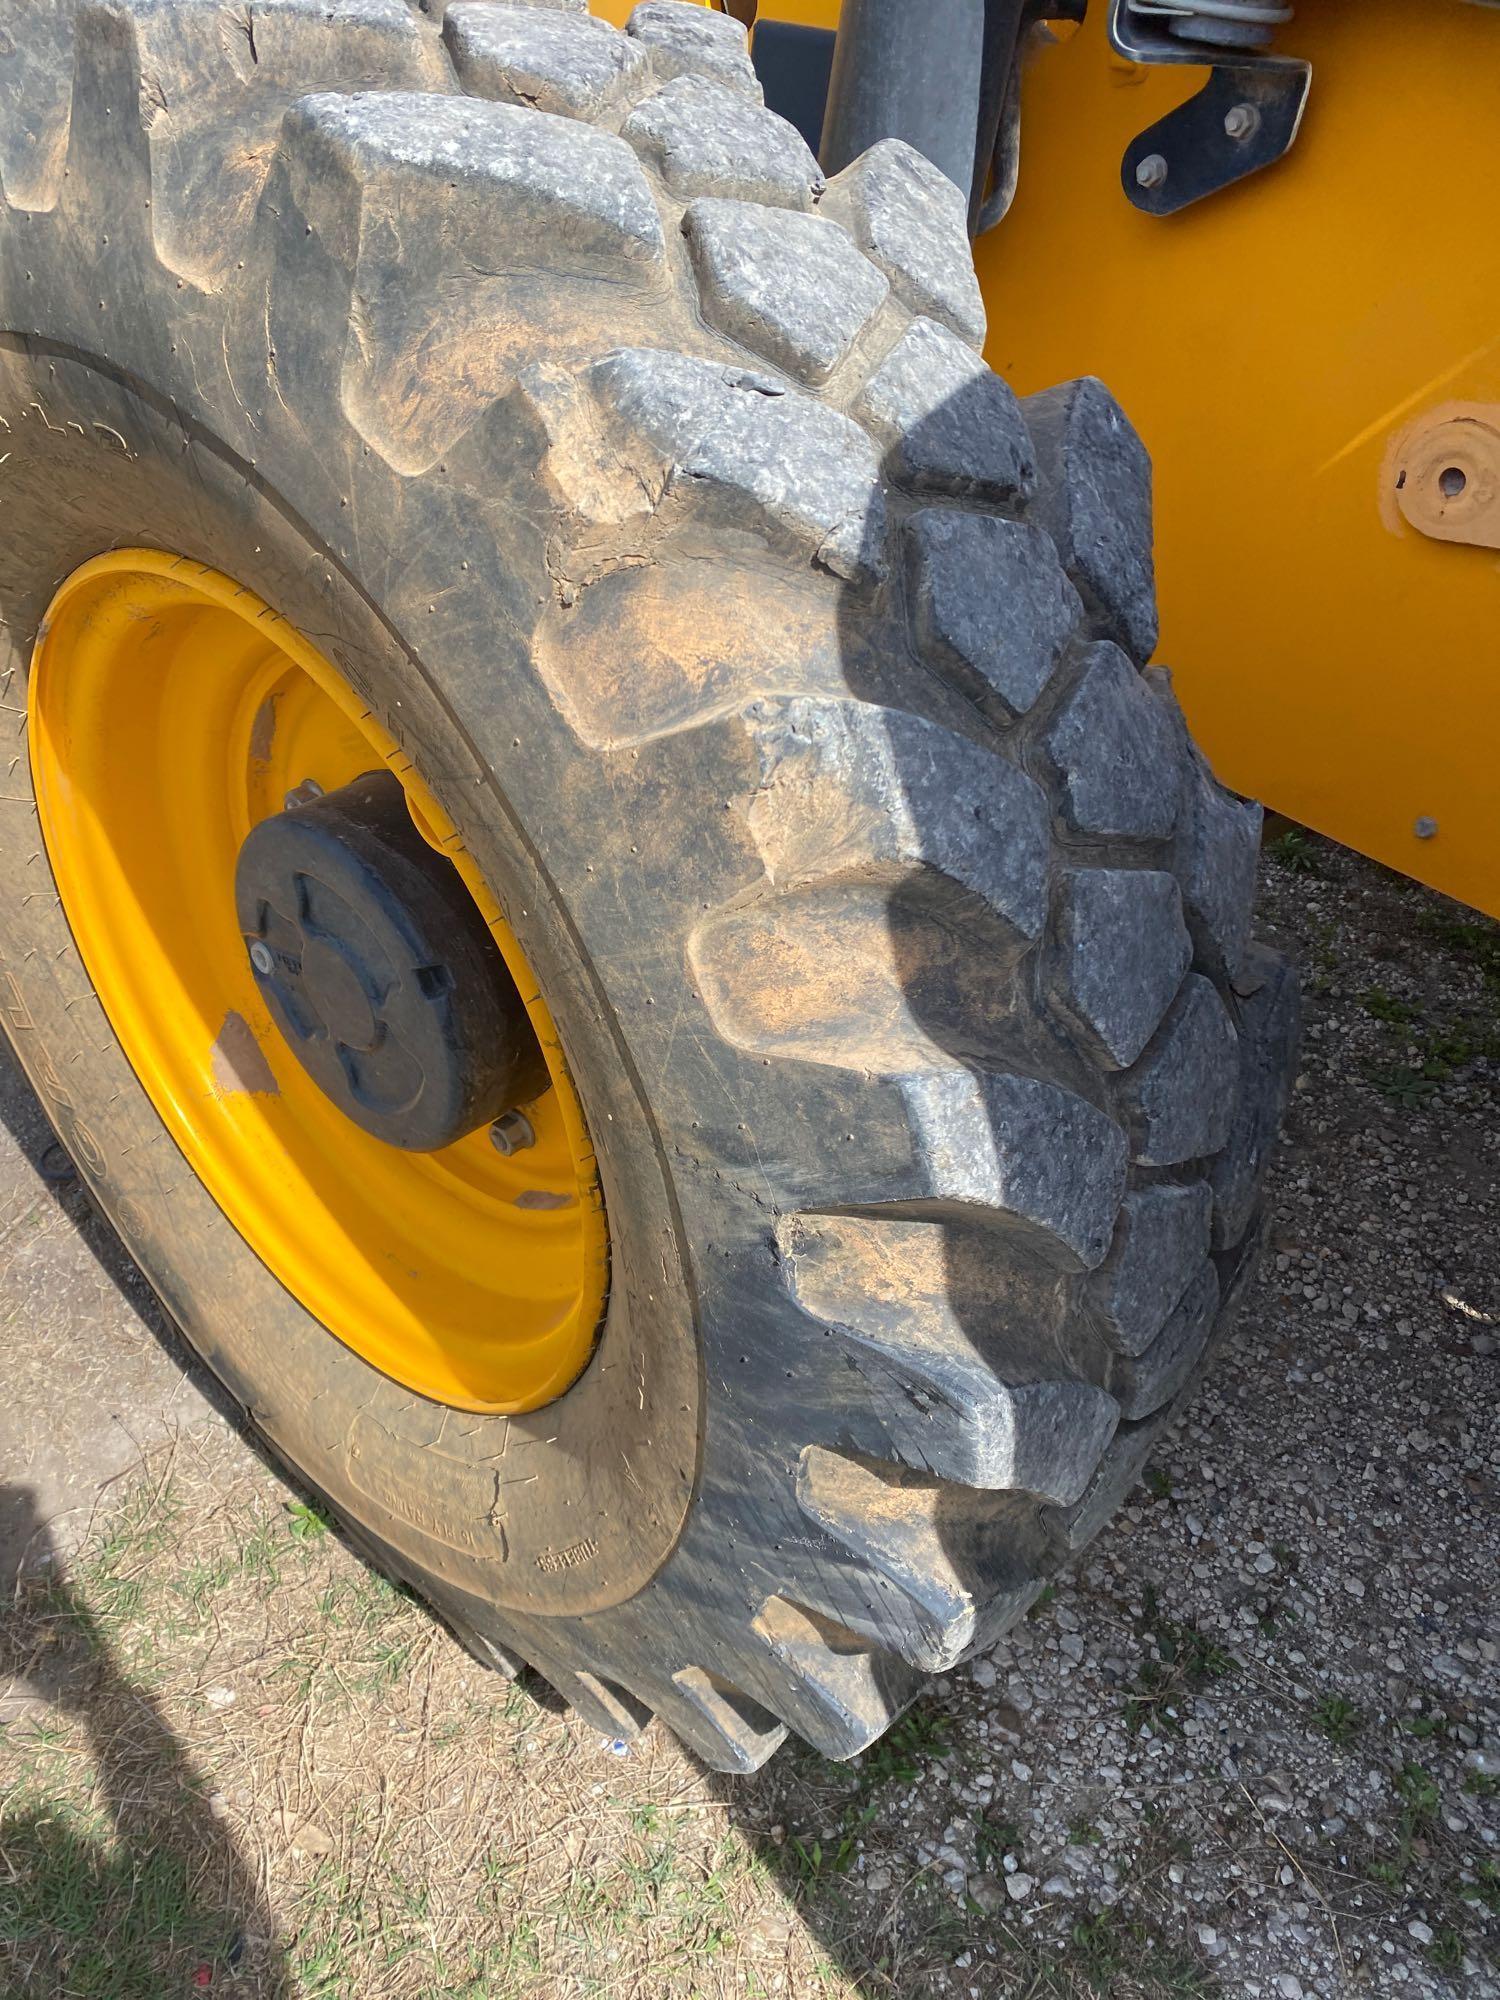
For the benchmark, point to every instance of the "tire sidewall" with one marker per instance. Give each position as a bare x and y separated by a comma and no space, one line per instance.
565,1511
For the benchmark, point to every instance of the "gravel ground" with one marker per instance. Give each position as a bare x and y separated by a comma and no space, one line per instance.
1249,1747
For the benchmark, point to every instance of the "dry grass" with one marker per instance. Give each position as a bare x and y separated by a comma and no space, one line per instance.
251,1765
236,1760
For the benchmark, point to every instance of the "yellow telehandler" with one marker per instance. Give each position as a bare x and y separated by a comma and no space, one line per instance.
607,888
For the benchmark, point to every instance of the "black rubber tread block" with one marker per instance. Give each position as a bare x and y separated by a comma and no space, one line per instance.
838,1692
912,1307
721,1722
953,1556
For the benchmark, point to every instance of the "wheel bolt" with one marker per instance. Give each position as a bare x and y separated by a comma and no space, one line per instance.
261,958
512,1133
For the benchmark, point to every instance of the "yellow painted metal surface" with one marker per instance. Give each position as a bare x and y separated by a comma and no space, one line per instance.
1272,344
170,711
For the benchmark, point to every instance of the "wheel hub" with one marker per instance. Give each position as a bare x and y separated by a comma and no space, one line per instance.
171,711
379,970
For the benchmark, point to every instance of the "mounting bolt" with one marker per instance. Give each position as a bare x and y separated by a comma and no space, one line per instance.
303,794
1151,172
512,1133
1241,122
262,958
1425,828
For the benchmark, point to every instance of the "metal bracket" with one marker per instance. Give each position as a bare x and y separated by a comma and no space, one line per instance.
1244,118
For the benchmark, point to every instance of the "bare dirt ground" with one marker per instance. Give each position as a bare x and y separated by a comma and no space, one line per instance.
1250,1747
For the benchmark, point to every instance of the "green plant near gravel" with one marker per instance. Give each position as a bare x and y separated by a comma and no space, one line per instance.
1474,937
994,1838
815,1862
1383,1006
1296,851
1419,1796
1108,1950
1185,1660
1447,1950
1440,1056
1338,1719
897,1758
306,1521
1485,1888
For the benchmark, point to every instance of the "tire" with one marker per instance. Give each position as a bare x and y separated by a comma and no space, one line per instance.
786,678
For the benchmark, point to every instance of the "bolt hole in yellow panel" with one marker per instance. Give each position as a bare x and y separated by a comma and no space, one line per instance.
1288,348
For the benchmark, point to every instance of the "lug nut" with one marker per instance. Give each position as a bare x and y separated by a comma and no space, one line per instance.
261,958
303,794
512,1133
1241,122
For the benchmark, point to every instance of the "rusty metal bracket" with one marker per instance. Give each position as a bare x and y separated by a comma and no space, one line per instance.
1244,118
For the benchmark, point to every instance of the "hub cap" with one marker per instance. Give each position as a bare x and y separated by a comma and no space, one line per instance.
374,962
173,715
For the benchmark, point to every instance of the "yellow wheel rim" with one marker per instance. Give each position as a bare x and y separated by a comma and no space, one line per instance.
170,711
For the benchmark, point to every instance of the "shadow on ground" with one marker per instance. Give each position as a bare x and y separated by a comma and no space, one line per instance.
78,1301
133,1890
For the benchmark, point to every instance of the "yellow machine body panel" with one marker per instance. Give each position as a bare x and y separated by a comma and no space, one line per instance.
1291,349
1284,347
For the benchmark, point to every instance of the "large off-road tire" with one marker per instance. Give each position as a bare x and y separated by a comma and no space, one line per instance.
786,678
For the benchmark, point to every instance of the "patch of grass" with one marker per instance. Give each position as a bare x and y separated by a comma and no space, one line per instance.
306,1521
1339,1720
1296,851
1486,1888
1383,1006
1419,1796
1471,937
426,1830
898,1757
259,1552
1447,1951
994,1838
112,1920
1183,1659
1441,1050
1113,1955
